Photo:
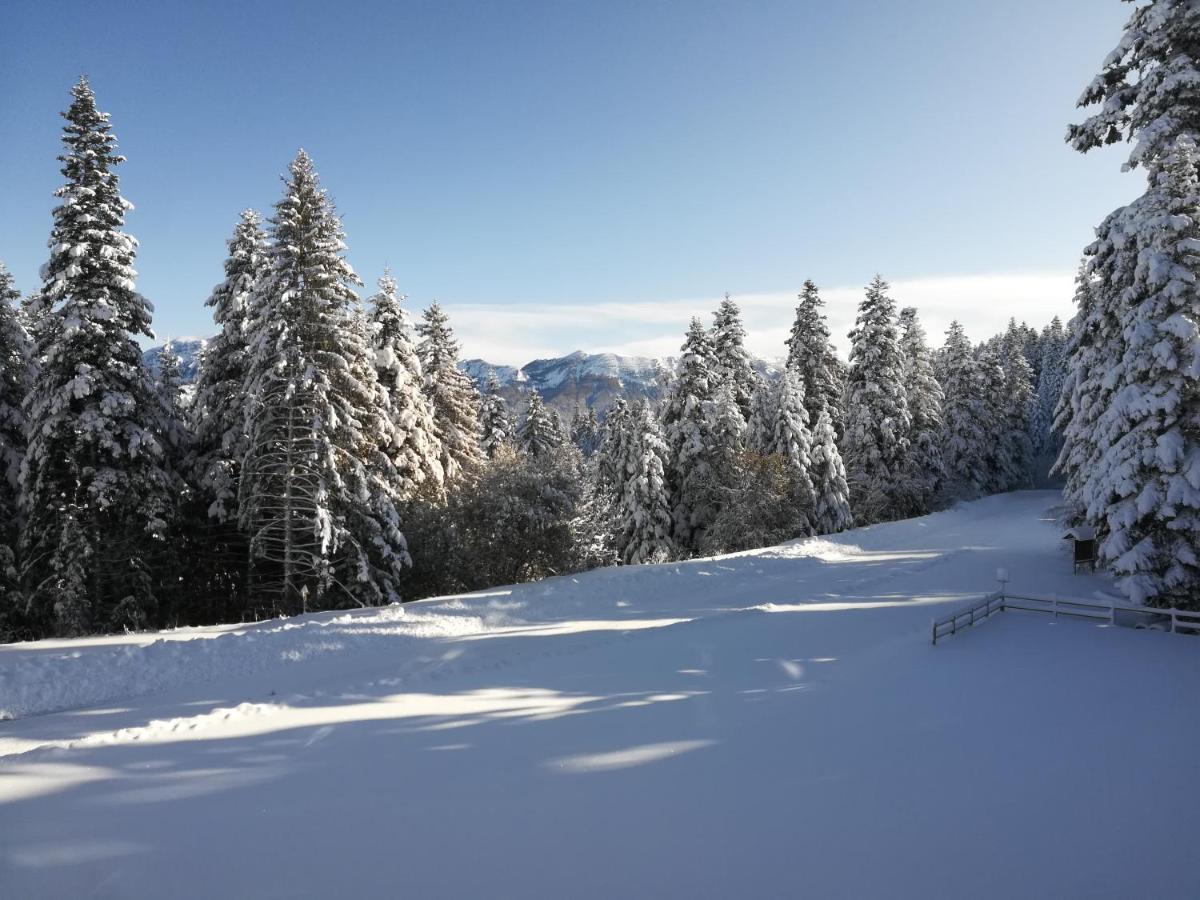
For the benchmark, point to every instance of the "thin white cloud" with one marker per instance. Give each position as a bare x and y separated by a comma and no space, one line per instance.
514,335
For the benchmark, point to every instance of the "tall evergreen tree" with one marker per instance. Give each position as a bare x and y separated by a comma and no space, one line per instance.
731,361
760,429
169,381
218,415
538,434
585,431
1128,416
416,455
1045,442
831,505
792,440
645,508
317,492
689,429
1144,492
494,421
1145,92
811,354
924,468
96,494
453,396
1018,404
611,456
878,422
14,385
963,435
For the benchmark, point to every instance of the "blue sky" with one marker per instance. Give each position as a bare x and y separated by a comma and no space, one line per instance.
579,174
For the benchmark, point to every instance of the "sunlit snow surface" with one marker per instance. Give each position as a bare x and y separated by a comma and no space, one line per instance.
772,723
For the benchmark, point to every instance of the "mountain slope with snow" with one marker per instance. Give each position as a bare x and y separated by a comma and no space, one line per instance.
773,723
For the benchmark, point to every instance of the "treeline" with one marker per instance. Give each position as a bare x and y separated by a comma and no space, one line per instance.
334,455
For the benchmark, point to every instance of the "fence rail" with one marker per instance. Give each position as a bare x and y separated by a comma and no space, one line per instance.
1179,620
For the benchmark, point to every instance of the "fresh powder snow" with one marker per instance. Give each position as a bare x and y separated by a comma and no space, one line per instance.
770,723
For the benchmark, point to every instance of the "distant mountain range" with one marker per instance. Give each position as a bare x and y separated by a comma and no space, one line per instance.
578,379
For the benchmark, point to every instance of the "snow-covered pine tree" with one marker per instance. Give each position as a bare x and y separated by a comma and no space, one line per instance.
1018,405
612,453
585,431
14,385
963,435
731,361
831,506
218,415
538,433
1045,442
792,440
760,429
417,456
1128,413
644,515
688,432
317,494
1093,342
924,468
169,382
878,422
453,396
1144,491
96,435
997,464
1145,91
811,354
495,423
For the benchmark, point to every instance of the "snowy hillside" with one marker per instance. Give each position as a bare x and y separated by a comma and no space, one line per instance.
189,357
773,723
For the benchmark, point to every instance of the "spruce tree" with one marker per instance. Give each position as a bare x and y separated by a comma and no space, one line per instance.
1018,404
538,434
731,362
963,435
688,431
924,468
792,440
416,455
218,415
1045,441
494,421
1131,447
878,422
612,453
645,510
169,382
454,398
760,429
831,505
1144,492
14,385
1145,92
1094,342
811,354
317,492
96,493
585,431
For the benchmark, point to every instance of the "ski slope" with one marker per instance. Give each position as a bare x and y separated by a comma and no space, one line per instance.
768,724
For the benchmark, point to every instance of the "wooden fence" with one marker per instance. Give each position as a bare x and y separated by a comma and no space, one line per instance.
1177,621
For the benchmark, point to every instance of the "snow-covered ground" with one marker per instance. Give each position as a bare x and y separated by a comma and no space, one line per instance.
773,724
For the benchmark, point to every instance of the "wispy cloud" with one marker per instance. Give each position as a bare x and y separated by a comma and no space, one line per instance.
514,335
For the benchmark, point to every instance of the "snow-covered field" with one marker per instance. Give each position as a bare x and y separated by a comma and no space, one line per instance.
770,724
